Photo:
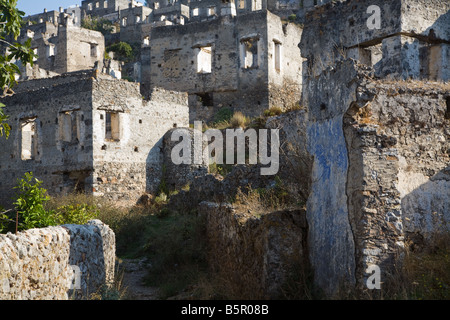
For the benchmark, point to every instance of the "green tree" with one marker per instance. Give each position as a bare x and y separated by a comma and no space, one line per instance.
123,51
10,26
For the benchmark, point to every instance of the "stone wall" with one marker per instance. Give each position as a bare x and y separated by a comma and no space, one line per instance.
131,164
227,82
255,253
379,174
37,264
47,147
88,132
413,37
398,178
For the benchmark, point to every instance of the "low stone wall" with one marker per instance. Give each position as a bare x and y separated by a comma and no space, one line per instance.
44,264
255,253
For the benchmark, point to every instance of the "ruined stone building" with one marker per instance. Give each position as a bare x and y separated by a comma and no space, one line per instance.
247,62
374,132
378,131
61,46
96,135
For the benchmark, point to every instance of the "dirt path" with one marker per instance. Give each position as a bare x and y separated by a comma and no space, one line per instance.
134,272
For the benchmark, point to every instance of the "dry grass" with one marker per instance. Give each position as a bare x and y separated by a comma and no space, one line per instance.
239,120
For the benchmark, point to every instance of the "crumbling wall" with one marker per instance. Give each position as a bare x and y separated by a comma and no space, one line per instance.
284,63
233,70
63,47
413,37
38,264
90,133
330,238
83,49
129,162
254,253
57,147
380,171
398,177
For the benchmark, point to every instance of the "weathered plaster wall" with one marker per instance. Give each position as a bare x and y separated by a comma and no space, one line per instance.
330,238
36,264
380,171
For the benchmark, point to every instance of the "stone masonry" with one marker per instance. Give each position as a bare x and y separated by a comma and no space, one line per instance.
38,264
98,135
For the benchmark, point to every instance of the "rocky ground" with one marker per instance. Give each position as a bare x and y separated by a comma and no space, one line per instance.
134,271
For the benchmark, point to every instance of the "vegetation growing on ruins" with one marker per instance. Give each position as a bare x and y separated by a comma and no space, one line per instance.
34,208
98,24
123,51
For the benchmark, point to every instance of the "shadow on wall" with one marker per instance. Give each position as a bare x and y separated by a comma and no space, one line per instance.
426,209
154,167
92,257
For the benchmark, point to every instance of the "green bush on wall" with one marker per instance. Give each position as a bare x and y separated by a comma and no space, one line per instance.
30,209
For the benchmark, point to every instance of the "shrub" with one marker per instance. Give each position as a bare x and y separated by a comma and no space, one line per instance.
98,24
238,120
123,51
5,220
76,214
224,114
29,204
273,111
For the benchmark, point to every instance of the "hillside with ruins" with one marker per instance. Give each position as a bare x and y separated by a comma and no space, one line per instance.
228,149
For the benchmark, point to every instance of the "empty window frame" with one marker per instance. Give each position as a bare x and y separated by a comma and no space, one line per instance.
69,129
30,34
97,4
124,22
241,4
35,51
195,12
105,4
89,6
28,128
249,53
277,55
211,11
171,66
204,59
94,50
146,41
112,126
51,50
